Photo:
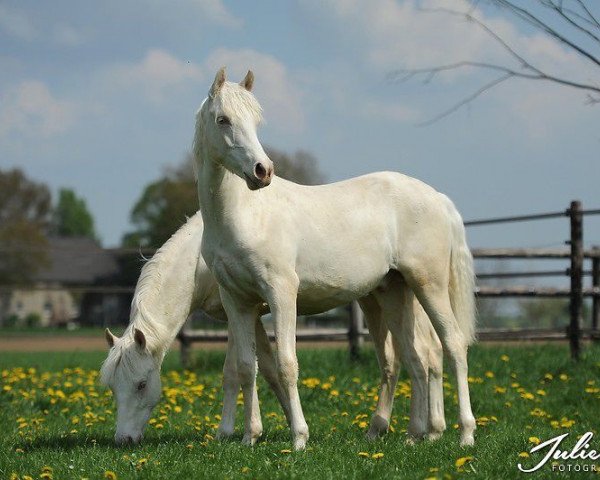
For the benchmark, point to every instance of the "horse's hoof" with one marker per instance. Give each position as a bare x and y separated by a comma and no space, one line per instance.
300,441
250,440
433,436
412,439
467,440
379,426
224,434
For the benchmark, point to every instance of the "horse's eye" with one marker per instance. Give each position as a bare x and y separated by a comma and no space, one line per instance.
141,385
223,120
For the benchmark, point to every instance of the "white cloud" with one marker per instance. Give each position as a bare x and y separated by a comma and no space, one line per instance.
17,24
30,109
155,75
275,88
216,11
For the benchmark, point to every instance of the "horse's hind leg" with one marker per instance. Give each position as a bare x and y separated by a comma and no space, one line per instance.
434,297
388,364
437,421
396,301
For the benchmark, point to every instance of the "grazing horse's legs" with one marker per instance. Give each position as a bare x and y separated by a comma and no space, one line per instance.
389,365
434,296
396,301
242,329
268,367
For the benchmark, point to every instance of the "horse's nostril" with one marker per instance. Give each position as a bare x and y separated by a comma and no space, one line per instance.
260,171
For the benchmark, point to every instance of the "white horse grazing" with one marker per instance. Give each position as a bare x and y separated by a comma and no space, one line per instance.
177,281
308,249
173,283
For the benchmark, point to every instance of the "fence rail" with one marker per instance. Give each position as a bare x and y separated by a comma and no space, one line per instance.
576,292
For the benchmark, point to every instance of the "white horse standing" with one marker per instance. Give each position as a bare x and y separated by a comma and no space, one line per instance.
308,249
177,281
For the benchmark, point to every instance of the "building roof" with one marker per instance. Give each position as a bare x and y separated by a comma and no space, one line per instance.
77,261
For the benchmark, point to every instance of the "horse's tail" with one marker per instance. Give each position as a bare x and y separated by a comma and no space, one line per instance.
462,279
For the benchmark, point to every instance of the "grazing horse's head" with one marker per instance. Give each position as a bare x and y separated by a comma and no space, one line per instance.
226,126
133,374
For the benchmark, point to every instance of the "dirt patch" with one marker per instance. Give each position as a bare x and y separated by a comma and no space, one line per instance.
87,344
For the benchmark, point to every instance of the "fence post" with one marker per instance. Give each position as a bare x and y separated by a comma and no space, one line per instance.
354,336
576,299
595,284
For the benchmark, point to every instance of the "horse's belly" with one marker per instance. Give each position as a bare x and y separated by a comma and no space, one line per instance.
332,287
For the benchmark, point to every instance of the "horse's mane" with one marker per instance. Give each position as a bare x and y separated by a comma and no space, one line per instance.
141,316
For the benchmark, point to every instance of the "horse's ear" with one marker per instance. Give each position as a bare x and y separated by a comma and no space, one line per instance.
110,338
218,83
140,338
248,81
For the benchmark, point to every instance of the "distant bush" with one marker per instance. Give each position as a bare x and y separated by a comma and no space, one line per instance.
10,321
33,320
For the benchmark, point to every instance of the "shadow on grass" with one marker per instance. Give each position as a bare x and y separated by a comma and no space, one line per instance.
73,442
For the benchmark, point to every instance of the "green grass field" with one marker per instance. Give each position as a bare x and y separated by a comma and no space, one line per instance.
58,422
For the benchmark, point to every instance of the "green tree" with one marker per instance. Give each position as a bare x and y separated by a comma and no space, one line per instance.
24,221
166,203
163,207
71,216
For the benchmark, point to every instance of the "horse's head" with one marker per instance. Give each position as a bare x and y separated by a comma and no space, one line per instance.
133,375
228,120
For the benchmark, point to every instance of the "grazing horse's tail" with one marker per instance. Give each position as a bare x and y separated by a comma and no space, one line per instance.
462,279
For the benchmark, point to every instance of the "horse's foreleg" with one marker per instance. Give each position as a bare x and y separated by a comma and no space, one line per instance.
389,366
242,327
231,387
268,367
282,301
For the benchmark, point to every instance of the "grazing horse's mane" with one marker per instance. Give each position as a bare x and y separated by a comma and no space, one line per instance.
142,315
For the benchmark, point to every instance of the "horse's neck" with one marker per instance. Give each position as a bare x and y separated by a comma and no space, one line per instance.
222,195
167,288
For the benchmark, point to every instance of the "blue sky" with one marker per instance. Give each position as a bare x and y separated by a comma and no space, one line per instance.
101,96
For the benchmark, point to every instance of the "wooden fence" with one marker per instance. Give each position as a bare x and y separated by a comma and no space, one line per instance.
574,332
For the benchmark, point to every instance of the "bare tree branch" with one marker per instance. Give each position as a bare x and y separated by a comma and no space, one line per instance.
530,18
467,100
593,19
527,69
564,13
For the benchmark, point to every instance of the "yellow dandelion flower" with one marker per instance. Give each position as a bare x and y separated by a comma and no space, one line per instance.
564,377
285,450
489,374
377,456
110,475
363,454
462,461
524,455
245,469
534,440
504,358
